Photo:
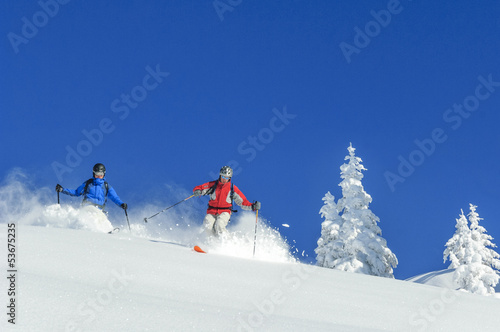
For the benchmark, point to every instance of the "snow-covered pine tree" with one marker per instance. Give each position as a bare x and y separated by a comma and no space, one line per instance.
484,245
470,255
350,237
458,244
476,277
329,230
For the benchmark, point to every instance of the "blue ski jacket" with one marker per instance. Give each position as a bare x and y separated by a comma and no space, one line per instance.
96,193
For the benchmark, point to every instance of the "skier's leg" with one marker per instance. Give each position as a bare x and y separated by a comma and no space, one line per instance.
221,223
208,223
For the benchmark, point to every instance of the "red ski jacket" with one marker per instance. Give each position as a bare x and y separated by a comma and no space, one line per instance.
220,197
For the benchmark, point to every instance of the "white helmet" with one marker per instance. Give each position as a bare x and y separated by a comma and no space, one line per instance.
226,171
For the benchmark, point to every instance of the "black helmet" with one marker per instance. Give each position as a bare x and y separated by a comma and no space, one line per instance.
99,168
226,171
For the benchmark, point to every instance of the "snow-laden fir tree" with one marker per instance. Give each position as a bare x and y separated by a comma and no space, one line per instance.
484,244
329,230
350,237
458,246
471,256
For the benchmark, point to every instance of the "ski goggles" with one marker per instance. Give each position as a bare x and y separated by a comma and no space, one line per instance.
98,173
225,177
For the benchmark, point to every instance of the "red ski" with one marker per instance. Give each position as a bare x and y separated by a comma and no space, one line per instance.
198,249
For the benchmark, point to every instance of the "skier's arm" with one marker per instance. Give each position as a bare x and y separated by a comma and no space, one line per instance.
241,200
114,197
76,192
204,188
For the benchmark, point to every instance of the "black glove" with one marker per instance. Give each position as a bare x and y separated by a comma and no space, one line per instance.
124,206
256,206
59,188
197,193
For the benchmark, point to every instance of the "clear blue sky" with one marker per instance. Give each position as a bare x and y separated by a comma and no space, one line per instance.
167,92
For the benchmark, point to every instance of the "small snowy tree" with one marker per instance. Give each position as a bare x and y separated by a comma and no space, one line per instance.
329,230
350,237
482,240
476,277
460,242
470,256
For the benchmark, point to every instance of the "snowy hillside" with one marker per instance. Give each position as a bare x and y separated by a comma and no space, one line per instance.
442,278
80,280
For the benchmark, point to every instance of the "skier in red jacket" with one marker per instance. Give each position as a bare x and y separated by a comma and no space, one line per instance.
222,194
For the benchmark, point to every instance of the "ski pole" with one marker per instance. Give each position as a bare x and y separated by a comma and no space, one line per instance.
165,209
58,202
126,215
255,236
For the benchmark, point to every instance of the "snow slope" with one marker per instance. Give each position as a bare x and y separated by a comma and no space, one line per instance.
442,278
80,280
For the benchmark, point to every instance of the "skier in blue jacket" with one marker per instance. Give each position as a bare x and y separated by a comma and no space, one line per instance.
95,191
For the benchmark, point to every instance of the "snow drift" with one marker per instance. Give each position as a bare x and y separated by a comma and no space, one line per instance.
442,278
